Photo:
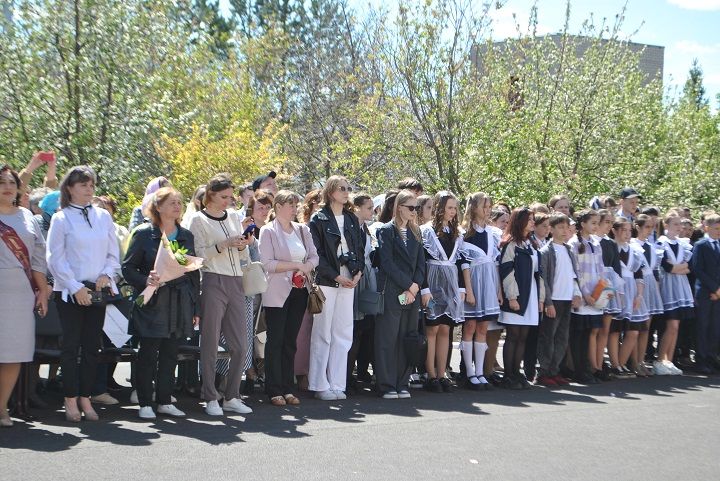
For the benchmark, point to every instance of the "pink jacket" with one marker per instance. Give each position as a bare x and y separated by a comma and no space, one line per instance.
274,249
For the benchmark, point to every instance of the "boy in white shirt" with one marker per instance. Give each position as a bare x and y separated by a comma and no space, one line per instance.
562,293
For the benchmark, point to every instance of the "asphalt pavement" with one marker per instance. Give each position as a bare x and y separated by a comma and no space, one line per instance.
662,428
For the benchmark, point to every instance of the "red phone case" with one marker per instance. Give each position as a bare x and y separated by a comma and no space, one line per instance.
46,156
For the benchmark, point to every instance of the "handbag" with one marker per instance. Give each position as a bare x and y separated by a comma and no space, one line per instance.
371,302
316,298
254,279
102,297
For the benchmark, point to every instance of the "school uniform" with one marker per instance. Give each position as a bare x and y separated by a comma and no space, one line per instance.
480,251
612,273
443,277
675,289
560,275
651,276
402,263
521,280
705,261
590,270
632,262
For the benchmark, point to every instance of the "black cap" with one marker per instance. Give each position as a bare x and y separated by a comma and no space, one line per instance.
260,179
628,193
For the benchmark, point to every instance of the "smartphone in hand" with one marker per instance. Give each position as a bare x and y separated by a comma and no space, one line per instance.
46,156
250,229
402,299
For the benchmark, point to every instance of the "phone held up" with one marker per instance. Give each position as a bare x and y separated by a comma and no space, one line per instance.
46,156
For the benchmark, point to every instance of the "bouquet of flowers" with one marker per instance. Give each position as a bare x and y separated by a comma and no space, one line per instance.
171,262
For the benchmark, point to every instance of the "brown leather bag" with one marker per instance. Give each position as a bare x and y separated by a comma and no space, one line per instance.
316,300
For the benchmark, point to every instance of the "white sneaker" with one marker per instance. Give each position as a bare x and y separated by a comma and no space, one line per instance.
146,412
404,394
212,408
339,395
674,370
173,399
237,406
170,410
660,369
326,395
133,397
390,395
104,398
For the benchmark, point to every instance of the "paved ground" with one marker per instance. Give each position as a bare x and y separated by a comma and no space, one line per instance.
654,429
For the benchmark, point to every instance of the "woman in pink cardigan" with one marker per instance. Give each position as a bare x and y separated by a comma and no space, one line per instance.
288,254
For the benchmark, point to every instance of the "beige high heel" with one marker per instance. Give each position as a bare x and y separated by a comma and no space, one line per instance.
72,414
89,413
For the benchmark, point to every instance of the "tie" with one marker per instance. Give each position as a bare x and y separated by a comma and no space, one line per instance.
716,246
85,211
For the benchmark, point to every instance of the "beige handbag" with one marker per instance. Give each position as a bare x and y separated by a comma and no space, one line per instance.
254,279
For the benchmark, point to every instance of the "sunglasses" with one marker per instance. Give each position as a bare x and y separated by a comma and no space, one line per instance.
342,188
411,208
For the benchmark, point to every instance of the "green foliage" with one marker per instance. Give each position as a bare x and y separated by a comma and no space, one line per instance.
142,88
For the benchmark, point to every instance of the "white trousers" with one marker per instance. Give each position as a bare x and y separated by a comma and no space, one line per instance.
331,339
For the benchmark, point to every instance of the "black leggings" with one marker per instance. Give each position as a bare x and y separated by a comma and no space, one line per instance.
514,348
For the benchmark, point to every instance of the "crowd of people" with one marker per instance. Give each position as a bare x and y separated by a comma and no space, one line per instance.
348,281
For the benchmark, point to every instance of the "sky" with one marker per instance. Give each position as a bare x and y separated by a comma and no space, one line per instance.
688,29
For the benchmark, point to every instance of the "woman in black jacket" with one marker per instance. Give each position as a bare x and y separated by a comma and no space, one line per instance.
400,275
340,245
168,317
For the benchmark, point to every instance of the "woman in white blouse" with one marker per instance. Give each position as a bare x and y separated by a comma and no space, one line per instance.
289,256
219,240
83,256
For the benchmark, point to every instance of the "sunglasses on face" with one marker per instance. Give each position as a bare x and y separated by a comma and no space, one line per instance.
342,188
411,208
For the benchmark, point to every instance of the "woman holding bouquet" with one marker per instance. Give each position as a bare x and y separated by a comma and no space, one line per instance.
219,240
167,317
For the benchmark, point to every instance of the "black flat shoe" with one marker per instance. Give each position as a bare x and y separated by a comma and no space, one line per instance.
446,385
433,385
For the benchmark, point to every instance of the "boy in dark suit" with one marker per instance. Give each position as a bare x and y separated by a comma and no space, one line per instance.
705,262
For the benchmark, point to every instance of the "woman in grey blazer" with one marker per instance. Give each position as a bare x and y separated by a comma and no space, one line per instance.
288,254
401,273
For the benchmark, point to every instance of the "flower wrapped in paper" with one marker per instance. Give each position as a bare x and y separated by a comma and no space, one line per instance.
171,262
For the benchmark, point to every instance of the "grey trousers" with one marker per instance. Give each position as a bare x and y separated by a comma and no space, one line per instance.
553,336
392,370
223,310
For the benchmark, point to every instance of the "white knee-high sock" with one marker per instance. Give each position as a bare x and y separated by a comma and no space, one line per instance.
480,348
467,356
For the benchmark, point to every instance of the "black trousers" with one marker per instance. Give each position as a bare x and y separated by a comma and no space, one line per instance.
82,335
283,324
707,324
157,358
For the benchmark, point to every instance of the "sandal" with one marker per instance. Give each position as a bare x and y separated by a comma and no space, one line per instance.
72,413
291,400
277,401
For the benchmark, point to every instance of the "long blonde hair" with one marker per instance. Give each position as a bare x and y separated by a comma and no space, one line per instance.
475,200
402,197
